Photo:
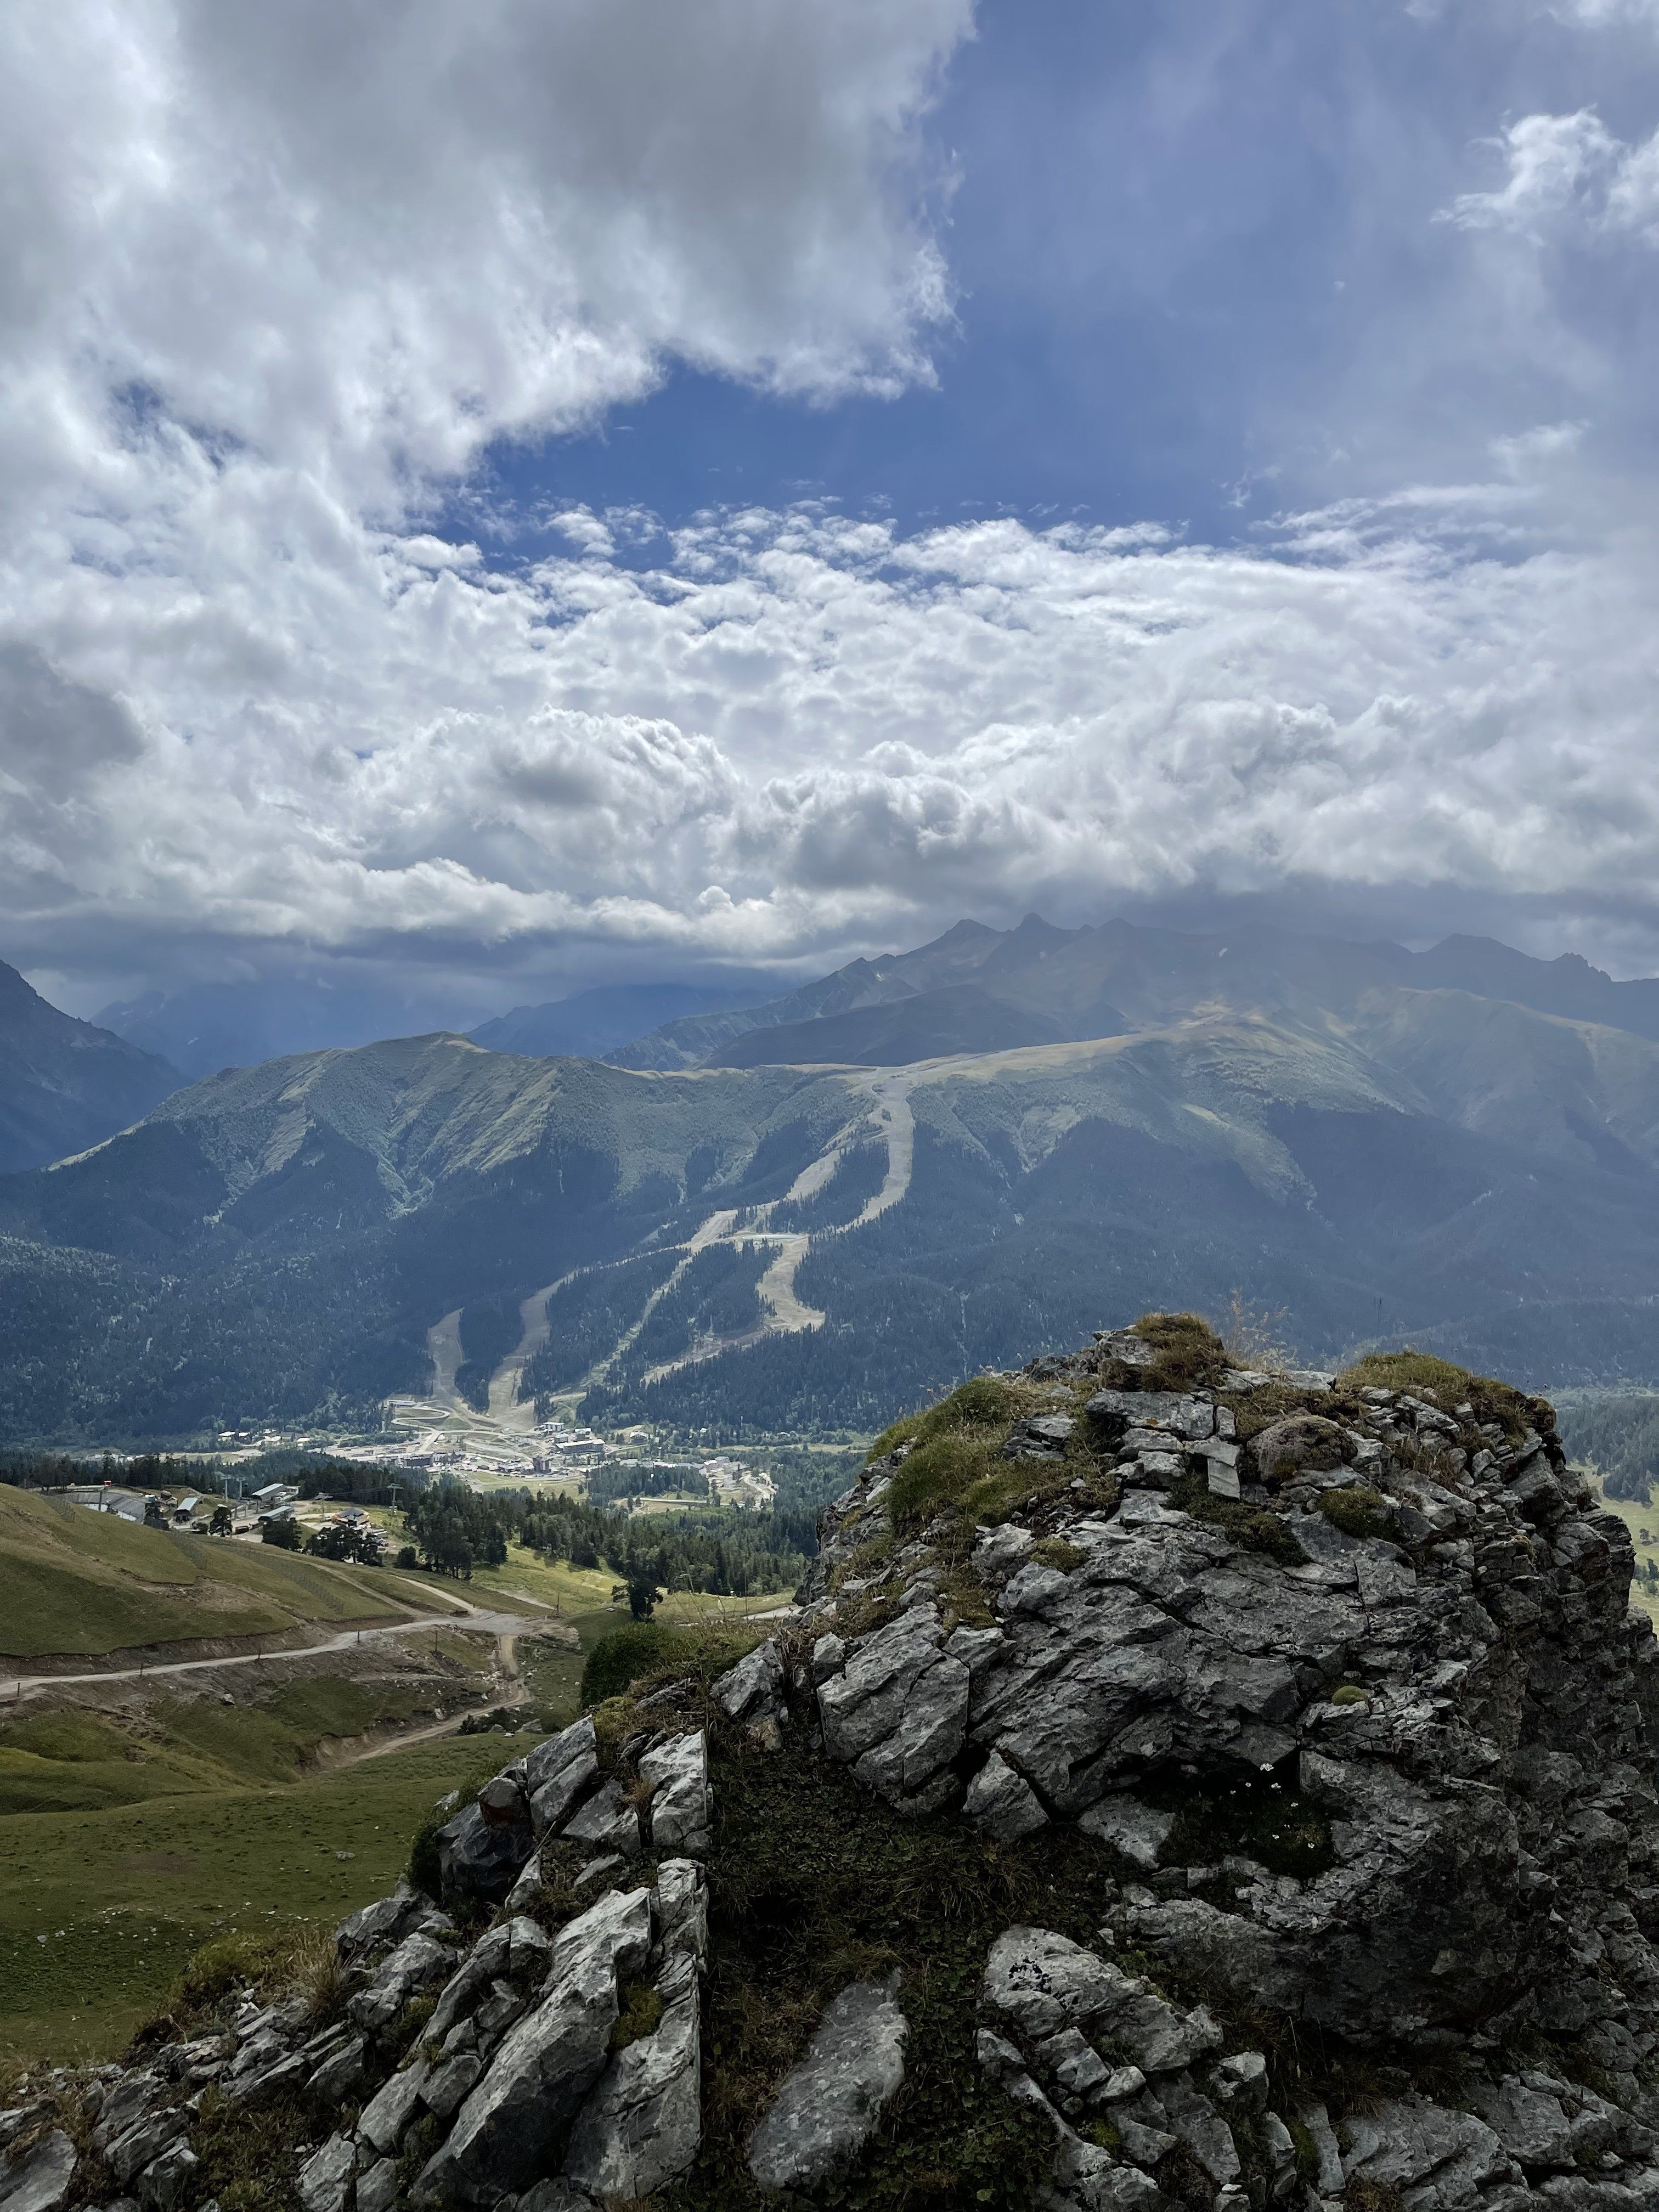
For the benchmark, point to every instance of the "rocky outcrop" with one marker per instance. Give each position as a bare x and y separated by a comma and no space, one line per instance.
1346,1682
1289,1746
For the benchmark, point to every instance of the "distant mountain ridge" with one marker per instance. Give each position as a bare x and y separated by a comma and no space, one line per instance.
590,1023
66,1083
1383,1158
1054,986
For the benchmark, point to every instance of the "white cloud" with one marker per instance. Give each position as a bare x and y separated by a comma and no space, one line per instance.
277,272
1568,171
1554,161
356,240
806,731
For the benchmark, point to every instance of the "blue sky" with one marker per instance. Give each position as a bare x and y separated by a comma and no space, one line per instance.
499,499
1198,277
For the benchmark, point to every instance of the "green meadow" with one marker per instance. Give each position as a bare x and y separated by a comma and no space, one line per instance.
99,1909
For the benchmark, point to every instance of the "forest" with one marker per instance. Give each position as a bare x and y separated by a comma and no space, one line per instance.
730,1553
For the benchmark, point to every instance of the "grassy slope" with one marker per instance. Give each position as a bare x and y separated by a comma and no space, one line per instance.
123,1896
71,1581
76,1761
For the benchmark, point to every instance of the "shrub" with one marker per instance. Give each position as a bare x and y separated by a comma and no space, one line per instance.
1348,1693
624,1655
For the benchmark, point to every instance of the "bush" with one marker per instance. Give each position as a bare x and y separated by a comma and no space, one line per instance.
625,1655
284,1532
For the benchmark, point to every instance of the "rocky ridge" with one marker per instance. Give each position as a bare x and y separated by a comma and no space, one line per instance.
1267,1760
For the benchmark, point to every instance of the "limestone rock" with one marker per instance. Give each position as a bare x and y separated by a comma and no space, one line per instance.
418,1964
1042,1982
828,2107
1138,1831
325,2182
898,1711
1434,2157
479,1858
547,2063
606,1823
642,2123
1003,1802
41,2179
752,1689
681,1806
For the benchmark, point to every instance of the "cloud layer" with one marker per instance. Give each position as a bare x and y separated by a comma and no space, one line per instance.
789,731
285,277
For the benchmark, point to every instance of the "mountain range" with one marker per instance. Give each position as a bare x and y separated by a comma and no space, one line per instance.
66,1083
1360,1136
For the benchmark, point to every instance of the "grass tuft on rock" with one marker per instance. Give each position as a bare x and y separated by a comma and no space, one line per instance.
1357,1510
1190,1355
1449,1387
1252,1527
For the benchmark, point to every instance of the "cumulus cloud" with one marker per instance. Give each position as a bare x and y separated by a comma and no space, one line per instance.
799,729
1568,169
359,241
281,275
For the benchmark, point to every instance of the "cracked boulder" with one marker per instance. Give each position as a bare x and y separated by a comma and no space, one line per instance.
829,2105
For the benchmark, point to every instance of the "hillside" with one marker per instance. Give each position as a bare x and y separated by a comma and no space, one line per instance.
779,1248
63,1083
1183,1789
75,1581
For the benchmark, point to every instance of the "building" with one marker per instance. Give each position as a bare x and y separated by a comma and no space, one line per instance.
733,1483
274,1494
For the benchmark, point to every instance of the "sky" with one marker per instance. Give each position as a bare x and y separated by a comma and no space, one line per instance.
499,497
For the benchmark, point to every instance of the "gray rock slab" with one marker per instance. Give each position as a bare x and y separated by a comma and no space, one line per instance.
681,1805
169,2183
551,1757
1433,2157
548,2062
754,1687
41,2179
642,2123
606,1823
1043,1982
418,1962
325,2180
553,1800
1003,1803
829,2105
385,2117
479,1859
1138,1831
682,1909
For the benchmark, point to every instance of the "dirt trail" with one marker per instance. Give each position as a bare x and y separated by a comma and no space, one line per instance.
498,1624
